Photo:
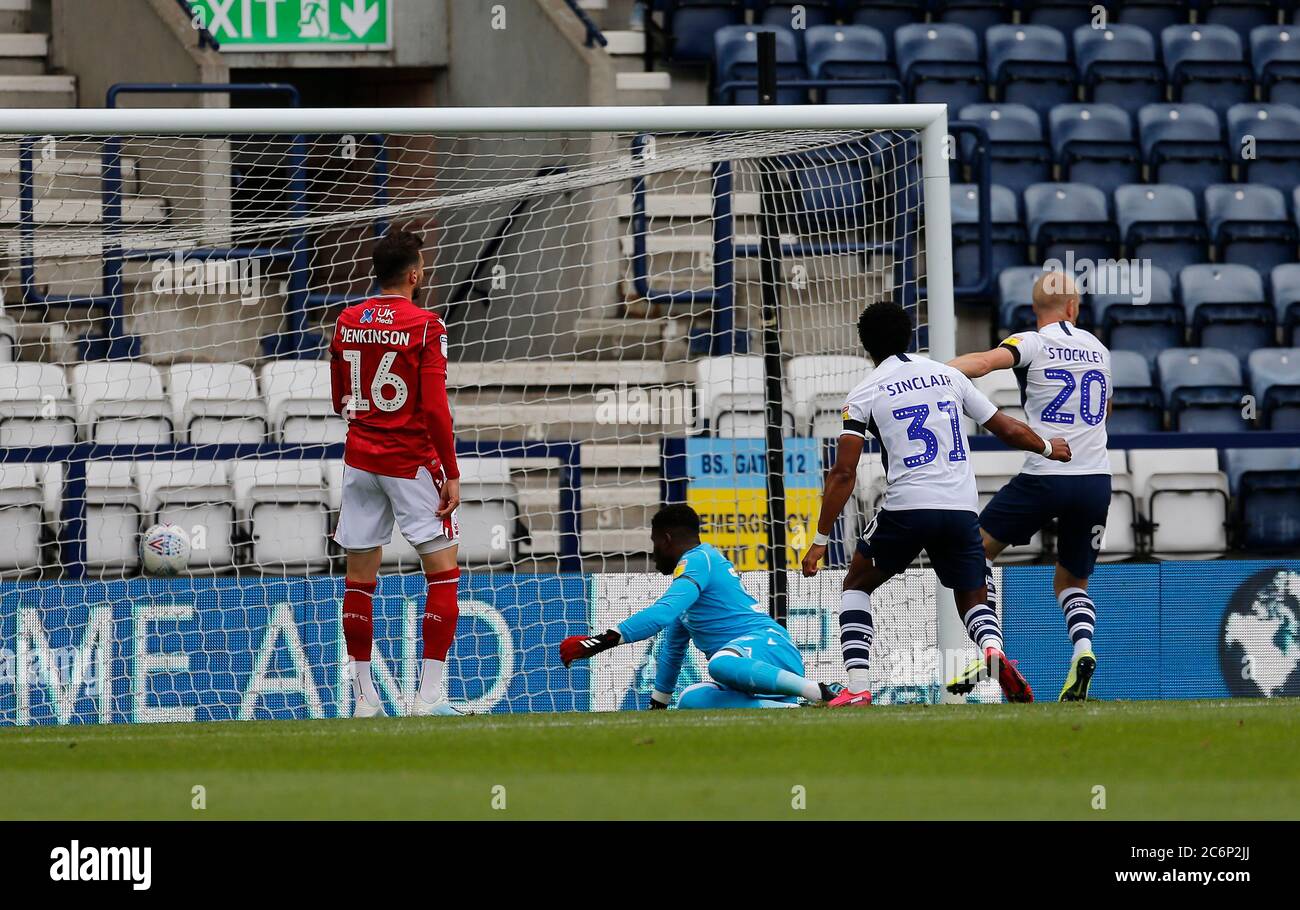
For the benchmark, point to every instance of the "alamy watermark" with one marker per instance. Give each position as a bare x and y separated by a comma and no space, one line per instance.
181,274
1113,277
643,406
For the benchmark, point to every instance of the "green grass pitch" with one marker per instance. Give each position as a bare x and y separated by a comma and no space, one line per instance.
1183,760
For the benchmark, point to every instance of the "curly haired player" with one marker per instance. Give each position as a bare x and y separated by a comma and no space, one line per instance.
912,406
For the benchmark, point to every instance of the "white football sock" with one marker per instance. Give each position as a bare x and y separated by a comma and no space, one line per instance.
859,680
363,685
431,680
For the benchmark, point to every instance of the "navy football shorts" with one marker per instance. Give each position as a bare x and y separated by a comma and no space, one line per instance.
950,537
1078,502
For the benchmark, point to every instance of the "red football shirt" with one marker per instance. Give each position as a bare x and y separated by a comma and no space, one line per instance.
388,368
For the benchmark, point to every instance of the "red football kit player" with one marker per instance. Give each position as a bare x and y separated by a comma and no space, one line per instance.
388,372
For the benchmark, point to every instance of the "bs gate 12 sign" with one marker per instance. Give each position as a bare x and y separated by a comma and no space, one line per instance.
297,25
727,485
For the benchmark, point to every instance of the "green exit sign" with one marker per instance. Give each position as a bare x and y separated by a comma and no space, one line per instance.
297,25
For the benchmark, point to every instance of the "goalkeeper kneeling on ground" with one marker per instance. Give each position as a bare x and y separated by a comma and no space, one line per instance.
752,661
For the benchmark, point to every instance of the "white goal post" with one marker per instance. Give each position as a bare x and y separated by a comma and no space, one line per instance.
133,226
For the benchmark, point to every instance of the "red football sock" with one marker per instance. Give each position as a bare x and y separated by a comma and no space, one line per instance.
440,613
358,607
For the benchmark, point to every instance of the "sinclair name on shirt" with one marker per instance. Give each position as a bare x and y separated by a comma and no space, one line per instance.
387,337
915,384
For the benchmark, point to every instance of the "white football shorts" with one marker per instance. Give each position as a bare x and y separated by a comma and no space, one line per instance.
372,501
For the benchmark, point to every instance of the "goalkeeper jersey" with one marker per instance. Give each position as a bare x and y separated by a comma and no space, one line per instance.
705,597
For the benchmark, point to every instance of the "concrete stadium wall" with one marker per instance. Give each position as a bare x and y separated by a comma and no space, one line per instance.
87,40
530,54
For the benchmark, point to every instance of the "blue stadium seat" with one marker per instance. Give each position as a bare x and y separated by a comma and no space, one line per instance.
886,15
831,185
796,15
1016,298
1275,53
1275,380
1249,225
851,52
1242,16
1203,388
941,63
1140,315
1274,130
1226,308
1093,143
736,58
1207,66
1065,217
1008,233
692,24
1153,15
1018,154
1285,284
1160,222
1119,65
976,14
1183,145
1138,406
1064,15
1030,64
1266,485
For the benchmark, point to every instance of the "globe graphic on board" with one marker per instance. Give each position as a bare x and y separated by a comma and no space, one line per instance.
1259,644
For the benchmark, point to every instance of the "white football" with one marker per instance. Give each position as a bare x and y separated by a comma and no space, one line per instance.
165,550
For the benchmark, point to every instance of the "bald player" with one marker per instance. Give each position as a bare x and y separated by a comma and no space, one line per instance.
1064,376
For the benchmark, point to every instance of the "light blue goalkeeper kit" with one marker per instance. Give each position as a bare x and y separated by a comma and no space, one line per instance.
752,661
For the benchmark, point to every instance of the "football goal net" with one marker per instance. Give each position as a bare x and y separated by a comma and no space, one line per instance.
612,279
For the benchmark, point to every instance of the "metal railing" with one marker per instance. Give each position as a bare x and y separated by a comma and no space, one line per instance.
594,35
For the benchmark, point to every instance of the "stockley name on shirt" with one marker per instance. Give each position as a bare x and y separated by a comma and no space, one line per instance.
389,337
1075,354
915,384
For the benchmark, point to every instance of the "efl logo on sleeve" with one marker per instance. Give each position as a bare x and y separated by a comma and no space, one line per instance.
681,568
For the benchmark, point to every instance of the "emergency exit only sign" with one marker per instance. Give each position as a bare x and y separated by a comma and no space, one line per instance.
297,25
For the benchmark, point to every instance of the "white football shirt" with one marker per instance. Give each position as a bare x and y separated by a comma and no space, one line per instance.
913,407
1064,375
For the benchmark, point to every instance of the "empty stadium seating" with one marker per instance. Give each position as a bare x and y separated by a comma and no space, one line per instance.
22,509
1094,143
37,409
818,387
1017,150
1266,486
1119,65
1203,388
1185,499
1030,64
298,403
1137,406
1160,222
851,52
1123,140
1275,382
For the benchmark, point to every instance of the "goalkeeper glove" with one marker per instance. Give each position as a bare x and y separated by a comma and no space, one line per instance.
580,647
